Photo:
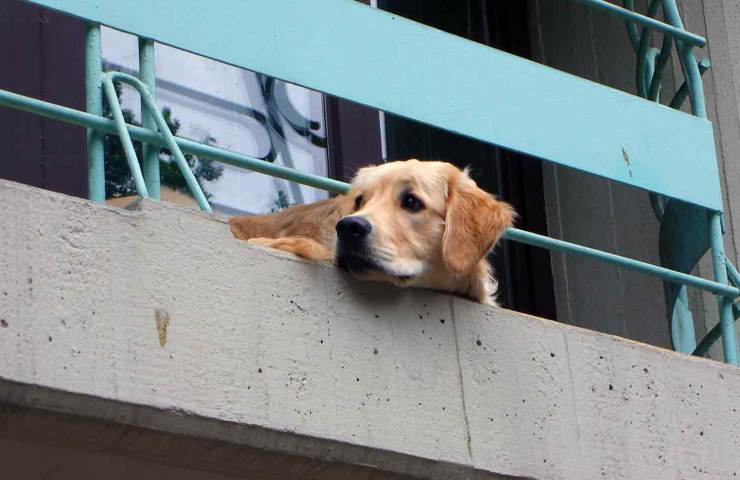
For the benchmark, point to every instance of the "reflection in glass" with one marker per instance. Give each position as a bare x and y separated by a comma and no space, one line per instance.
241,111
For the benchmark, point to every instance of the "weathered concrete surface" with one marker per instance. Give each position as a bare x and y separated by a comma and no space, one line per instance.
157,318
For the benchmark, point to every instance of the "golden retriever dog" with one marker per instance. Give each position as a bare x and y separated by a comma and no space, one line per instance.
408,223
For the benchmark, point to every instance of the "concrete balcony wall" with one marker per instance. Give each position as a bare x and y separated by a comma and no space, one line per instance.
150,339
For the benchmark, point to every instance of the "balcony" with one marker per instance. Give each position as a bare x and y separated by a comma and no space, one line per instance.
140,338
126,342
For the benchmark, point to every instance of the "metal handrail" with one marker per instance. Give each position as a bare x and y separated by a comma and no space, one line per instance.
650,63
101,124
105,125
169,139
632,16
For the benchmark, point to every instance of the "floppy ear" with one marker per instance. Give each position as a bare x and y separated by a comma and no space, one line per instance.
474,222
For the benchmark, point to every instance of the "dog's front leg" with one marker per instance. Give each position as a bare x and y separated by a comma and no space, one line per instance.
301,246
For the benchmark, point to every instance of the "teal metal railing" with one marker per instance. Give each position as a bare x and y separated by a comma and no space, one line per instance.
149,110
509,102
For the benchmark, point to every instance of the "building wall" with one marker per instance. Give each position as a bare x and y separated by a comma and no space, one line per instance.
42,56
616,218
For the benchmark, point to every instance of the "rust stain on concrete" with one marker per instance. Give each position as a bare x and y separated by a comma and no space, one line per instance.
162,319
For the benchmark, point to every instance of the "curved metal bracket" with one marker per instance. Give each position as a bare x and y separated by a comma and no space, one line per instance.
687,232
128,146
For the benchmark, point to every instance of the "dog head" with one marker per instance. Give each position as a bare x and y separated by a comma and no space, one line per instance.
419,223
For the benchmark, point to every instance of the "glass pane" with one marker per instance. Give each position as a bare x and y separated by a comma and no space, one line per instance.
237,110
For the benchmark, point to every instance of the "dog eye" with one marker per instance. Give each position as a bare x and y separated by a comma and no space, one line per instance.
358,202
410,202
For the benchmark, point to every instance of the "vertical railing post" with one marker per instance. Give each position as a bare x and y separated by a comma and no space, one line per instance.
726,318
150,152
692,72
689,65
94,105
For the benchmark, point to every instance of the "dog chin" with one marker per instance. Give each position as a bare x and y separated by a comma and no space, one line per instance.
365,269
383,277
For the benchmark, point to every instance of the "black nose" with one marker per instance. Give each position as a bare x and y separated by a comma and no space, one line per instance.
353,230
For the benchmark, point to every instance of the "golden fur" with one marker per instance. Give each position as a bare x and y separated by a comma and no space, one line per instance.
442,246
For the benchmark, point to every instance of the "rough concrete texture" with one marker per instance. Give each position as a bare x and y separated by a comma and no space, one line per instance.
157,318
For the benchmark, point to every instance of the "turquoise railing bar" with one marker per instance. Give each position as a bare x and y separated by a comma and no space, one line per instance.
636,265
83,119
102,124
169,139
631,15
126,144
650,63
347,49
94,105
716,332
509,102
689,65
680,96
724,302
149,152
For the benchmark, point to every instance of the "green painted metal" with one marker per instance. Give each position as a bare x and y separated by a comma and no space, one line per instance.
712,336
678,251
76,117
706,343
688,62
683,330
681,252
680,96
169,139
726,317
346,50
94,105
732,274
692,72
636,265
83,119
149,152
716,332
632,16
687,231
642,79
126,144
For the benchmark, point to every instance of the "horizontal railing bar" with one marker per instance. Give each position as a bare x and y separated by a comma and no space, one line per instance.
84,119
626,14
653,270
503,104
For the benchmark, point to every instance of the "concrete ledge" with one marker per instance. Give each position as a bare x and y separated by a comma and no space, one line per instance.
157,318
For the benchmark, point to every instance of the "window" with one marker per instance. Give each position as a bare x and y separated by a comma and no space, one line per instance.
239,111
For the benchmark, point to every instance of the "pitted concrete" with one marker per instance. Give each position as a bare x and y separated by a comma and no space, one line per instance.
156,318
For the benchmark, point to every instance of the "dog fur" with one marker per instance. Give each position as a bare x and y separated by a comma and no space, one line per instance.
431,227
